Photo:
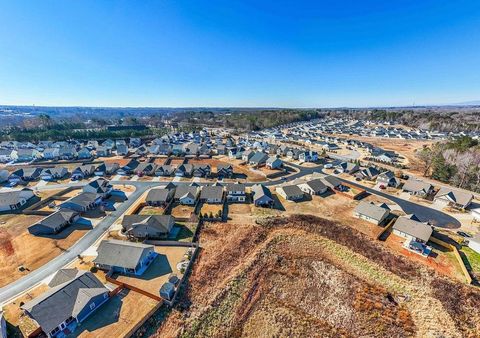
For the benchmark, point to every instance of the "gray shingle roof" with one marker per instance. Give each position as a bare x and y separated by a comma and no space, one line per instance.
160,223
212,192
457,196
121,253
64,300
157,195
57,218
371,210
413,228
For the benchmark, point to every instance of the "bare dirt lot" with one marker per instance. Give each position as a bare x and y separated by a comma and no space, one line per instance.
19,248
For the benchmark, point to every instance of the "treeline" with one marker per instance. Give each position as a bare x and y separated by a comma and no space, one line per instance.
245,120
62,132
456,162
433,120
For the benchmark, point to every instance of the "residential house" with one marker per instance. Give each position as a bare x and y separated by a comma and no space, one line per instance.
159,197
236,192
145,169
3,325
103,151
82,172
417,187
8,155
4,174
52,174
27,155
370,212
455,198
99,186
348,168
165,170
290,192
413,231
82,202
224,170
201,170
184,170
16,199
73,296
25,175
67,152
51,153
122,149
258,159
262,196
313,187
308,156
474,243
84,154
109,144
273,162
212,194
247,155
106,169
124,257
147,226
369,173
135,142
129,168
186,194
54,223
388,179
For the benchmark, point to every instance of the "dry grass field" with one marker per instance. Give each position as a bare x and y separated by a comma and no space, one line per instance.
305,276
19,248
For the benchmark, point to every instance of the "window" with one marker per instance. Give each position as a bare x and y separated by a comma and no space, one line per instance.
92,306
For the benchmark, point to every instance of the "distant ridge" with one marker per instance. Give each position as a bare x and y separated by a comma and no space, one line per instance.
469,103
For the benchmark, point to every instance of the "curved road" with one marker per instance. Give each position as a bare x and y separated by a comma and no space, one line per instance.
27,282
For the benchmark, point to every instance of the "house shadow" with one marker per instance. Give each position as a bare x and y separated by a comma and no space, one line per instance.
277,205
159,267
105,315
94,213
184,232
326,194
239,176
117,196
65,233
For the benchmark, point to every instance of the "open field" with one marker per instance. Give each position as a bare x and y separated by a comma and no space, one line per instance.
19,248
307,277
158,272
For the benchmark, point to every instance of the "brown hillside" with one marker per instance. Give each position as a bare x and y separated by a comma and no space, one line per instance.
305,276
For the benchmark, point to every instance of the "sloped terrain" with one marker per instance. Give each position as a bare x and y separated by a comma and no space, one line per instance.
305,276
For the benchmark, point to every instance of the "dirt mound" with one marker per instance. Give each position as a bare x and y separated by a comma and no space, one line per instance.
305,276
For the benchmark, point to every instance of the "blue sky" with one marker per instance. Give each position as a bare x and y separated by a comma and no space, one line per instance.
239,53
